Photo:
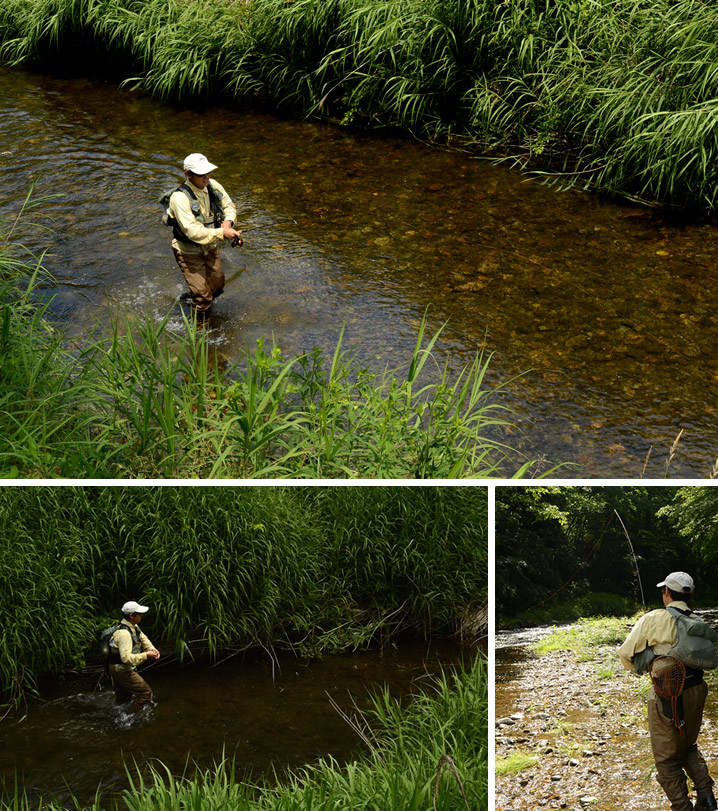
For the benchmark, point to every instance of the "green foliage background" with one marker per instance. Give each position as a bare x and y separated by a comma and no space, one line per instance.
615,95
567,545
314,568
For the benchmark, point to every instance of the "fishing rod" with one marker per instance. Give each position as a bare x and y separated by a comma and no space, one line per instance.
635,559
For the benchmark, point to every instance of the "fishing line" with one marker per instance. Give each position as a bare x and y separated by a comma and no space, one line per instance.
580,566
633,554
586,559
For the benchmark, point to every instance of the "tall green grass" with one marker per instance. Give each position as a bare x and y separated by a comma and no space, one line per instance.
147,402
223,568
432,753
44,390
604,94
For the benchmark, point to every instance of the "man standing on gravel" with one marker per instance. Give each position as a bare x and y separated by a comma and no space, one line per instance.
674,749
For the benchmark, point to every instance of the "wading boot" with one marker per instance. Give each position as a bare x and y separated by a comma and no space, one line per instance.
706,801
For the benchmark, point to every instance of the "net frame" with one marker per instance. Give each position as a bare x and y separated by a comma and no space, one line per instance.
668,676
668,681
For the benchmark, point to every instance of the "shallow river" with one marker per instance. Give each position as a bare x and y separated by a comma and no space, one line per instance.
266,713
609,309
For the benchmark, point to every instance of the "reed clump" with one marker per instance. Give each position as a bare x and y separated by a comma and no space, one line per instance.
44,389
314,570
614,95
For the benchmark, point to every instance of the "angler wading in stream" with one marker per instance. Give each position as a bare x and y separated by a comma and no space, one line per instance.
127,648
202,216
676,658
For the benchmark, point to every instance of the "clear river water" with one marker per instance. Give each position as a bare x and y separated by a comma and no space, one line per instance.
606,310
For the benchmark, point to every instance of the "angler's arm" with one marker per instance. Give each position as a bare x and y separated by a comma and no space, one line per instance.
230,214
148,647
657,630
230,210
181,210
123,641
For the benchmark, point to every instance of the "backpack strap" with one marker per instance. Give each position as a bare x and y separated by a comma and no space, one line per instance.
672,608
114,657
215,210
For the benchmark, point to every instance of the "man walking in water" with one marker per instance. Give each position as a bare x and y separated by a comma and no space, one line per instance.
129,647
202,217
674,749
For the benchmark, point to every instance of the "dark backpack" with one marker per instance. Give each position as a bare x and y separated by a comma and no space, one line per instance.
105,638
695,644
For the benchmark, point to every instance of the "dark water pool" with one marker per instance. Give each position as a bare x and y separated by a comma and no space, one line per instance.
608,309
267,712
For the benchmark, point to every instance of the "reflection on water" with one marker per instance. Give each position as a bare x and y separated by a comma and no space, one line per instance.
266,713
610,309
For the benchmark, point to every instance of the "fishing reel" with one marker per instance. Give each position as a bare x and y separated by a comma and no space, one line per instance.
237,242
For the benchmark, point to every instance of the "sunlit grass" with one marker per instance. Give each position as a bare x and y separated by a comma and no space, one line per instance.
617,96
586,636
515,762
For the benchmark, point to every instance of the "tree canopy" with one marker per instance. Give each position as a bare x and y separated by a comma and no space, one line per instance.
562,542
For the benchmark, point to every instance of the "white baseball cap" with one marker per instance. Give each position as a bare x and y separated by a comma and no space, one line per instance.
132,607
198,164
678,581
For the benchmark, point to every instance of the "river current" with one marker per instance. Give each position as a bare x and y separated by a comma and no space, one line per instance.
606,310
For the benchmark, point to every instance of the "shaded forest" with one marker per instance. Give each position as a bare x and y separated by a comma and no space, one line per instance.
600,550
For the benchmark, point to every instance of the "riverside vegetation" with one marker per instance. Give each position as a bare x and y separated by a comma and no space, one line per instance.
614,95
147,402
406,767
311,569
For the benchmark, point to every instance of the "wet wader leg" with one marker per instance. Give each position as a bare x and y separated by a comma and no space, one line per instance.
122,696
133,686
669,753
215,272
694,699
204,276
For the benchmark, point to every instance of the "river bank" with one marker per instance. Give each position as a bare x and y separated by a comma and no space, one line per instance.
571,731
611,96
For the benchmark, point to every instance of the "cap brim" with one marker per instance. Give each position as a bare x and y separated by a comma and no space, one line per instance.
204,169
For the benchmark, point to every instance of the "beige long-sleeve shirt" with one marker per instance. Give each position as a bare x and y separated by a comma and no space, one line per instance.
204,237
122,642
657,630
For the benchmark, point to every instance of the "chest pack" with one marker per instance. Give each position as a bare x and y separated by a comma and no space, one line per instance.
695,642
108,651
215,206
